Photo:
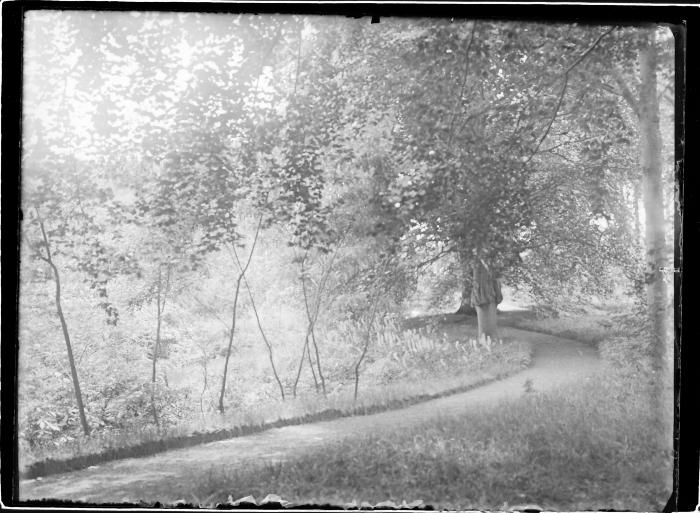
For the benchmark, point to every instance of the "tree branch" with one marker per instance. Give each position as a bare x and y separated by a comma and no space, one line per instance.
464,82
625,91
252,249
563,157
35,251
590,49
563,90
565,143
437,257
260,328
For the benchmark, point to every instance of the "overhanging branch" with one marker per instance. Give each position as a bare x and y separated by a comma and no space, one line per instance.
626,92
563,90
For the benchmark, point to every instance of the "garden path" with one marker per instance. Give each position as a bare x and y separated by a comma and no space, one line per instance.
555,361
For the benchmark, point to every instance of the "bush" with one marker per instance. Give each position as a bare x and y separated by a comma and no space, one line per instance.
396,353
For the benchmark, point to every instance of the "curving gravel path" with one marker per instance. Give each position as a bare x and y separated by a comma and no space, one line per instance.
555,361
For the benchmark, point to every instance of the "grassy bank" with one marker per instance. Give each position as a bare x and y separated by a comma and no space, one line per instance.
590,327
487,364
591,445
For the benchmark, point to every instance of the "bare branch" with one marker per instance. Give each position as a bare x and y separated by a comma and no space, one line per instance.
590,49
551,121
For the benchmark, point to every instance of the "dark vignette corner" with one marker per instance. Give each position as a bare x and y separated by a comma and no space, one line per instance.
12,14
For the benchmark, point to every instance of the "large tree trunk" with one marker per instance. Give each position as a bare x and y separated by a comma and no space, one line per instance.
653,199
486,295
647,109
465,303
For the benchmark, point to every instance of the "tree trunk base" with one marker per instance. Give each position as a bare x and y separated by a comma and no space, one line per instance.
466,309
486,316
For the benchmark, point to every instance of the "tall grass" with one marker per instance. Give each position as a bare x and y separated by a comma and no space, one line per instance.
591,445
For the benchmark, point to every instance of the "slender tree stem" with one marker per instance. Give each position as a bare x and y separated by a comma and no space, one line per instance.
233,316
260,328
312,322
311,365
301,364
370,322
64,326
156,348
366,346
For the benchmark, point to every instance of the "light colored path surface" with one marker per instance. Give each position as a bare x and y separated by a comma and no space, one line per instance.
556,361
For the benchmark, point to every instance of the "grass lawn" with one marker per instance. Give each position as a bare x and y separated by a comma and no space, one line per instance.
591,326
587,446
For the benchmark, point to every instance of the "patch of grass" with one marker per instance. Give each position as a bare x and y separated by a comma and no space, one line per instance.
593,445
492,363
590,327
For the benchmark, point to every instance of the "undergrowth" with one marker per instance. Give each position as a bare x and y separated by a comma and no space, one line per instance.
402,366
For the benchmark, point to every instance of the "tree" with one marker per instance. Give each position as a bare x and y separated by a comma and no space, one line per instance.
312,308
47,257
486,295
67,199
162,290
465,300
645,105
652,187
241,276
469,170
377,280
268,345
459,184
